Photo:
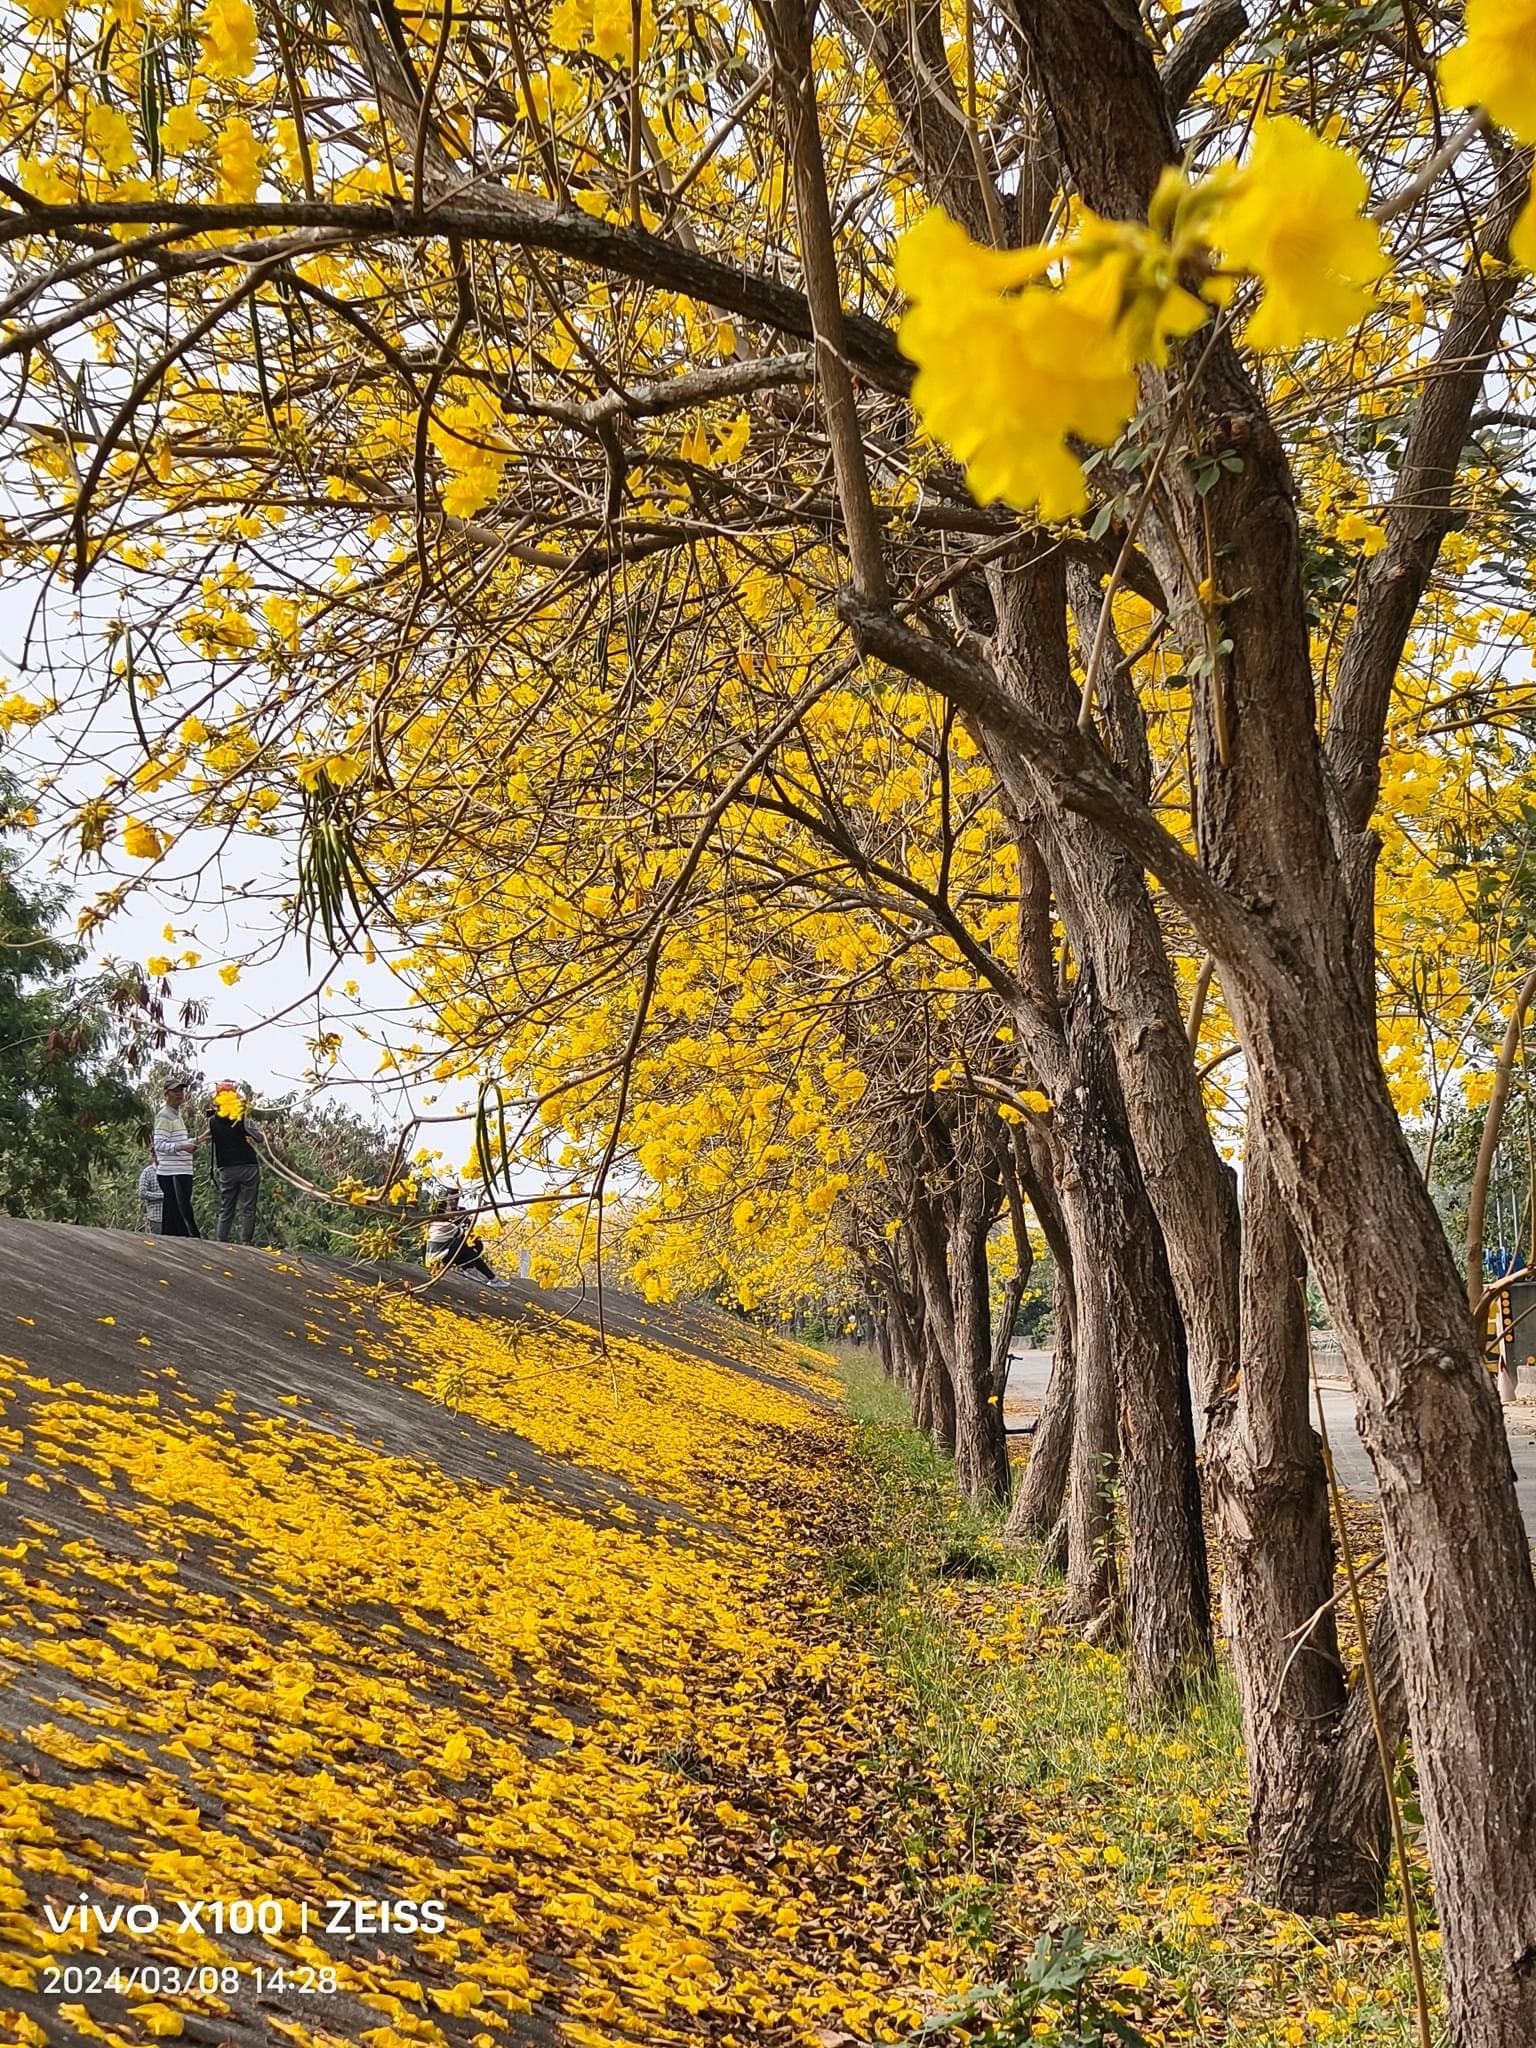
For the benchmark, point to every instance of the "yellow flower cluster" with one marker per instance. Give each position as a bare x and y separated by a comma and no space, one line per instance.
1294,219
606,27
141,840
1496,68
1006,376
467,434
182,129
1013,367
229,39
340,770
239,160
110,137
18,710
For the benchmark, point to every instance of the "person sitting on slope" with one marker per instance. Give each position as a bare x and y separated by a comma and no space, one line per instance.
449,1242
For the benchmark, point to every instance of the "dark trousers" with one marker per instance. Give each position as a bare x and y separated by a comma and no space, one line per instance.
238,1186
177,1216
468,1257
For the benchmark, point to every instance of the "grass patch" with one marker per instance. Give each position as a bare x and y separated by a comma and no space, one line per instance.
1078,1825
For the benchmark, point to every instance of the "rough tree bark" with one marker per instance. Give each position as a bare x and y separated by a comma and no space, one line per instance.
1039,1495
1014,1169
1093,1578
1127,1318
924,1373
1460,1568
1318,1832
955,1205
885,1348
1115,1236
934,1411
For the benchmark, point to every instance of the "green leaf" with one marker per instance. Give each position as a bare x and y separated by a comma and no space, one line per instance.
151,110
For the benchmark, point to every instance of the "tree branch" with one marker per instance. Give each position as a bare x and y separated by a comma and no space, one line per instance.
906,47
789,24
1204,43
521,220
1392,583
1079,777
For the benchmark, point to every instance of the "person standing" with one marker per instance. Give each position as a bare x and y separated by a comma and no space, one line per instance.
175,1152
236,1164
151,1201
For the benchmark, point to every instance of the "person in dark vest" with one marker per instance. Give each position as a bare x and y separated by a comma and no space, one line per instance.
236,1164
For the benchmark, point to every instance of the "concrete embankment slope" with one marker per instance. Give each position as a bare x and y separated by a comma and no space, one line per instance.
485,1665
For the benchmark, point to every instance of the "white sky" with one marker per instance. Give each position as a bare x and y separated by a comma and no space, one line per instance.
218,894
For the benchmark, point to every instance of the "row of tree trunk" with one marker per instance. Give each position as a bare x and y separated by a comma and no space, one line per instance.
1112,1490
1171,1288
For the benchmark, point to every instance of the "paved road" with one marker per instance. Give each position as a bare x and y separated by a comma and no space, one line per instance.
1031,1370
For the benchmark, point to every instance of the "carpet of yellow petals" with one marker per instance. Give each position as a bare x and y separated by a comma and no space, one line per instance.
248,1654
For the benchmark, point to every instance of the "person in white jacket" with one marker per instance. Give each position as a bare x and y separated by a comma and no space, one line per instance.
175,1156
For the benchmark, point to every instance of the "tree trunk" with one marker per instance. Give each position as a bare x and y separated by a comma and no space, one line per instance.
902,1328
1459,1556
923,1419
950,1248
1167,1587
1269,1491
1127,1320
1318,1834
938,1398
981,1435
1108,913
1016,1177
1053,1551
1327,1851
1460,1567
1123,1287
925,1374
1093,1581
885,1348
1038,1501
1002,1336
